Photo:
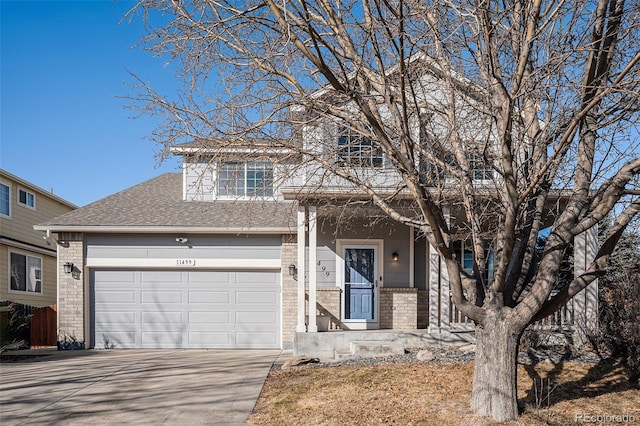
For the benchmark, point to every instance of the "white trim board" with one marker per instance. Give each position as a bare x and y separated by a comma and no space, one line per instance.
183,263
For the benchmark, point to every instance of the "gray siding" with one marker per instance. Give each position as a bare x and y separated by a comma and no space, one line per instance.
198,247
396,239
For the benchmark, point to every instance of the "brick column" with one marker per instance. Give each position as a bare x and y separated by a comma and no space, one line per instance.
289,291
398,308
72,314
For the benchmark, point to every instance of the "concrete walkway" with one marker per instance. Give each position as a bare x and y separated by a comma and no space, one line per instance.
134,387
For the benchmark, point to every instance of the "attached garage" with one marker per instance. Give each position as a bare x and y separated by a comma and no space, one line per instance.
154,266
185,308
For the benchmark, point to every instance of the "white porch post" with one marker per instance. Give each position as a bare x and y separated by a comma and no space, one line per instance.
433,263
302,216
412,250
313,328
585,303
445,291
445,297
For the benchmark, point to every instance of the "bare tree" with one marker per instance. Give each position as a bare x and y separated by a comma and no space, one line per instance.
499,110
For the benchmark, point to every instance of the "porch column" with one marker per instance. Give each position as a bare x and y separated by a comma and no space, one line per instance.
302,216
433,265
313,328
412,250
585,303
445,289
445,297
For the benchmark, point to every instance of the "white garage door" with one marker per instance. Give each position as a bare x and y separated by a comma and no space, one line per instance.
186,309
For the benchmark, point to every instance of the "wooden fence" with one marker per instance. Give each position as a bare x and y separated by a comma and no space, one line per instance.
43,327
41,324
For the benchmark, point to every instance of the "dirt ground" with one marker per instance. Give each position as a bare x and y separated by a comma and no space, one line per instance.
429,394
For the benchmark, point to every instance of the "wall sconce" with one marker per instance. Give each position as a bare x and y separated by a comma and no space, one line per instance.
68,267
292,270
394,256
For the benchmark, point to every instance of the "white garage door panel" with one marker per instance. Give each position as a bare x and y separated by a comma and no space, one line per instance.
256,318
192,309
155,277
116,317
210,338
109,297
243,338
153,318
209,277
208,318
154,297
209,297
255,297
118,339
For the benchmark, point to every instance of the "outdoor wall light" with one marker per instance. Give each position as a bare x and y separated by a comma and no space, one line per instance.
292,270
394,256
68,267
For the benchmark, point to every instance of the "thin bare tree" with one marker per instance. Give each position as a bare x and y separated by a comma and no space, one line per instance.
492,120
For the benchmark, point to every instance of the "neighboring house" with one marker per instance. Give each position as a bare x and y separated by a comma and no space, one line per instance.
232,252
29,270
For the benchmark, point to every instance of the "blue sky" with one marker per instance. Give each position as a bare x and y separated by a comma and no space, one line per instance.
63,65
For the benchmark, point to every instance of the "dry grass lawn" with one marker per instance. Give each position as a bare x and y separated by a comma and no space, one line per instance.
429,394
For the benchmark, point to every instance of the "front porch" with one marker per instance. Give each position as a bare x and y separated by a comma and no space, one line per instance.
337,345
407,285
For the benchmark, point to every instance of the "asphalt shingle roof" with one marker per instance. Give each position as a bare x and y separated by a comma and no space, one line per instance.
158,203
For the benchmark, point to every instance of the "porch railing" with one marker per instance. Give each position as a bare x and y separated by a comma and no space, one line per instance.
562,319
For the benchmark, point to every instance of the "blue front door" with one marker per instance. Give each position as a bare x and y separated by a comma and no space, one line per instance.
360,282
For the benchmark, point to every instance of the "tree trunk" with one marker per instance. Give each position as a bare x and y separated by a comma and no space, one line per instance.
495,390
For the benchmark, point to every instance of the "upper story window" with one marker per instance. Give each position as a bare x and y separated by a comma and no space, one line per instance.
5,200
480,167
357,150
26,273
27,198
239,179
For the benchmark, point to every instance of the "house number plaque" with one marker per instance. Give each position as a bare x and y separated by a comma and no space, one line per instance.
185,262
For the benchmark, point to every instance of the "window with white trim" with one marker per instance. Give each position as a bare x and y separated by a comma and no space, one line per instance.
25,273
239,179
357,150
463,251
5,200
27,198
480,167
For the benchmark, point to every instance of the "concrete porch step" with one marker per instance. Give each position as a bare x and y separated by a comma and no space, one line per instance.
372,348
342,355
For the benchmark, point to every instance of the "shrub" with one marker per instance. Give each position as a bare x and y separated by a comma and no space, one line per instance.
620,306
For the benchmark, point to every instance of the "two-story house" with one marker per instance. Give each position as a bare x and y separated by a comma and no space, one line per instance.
28,261
254,245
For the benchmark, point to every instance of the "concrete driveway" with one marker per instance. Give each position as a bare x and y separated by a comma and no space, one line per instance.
134,386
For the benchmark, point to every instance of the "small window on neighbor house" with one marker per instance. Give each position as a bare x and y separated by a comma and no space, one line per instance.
25,273
357,150
254,179
5,200
27,198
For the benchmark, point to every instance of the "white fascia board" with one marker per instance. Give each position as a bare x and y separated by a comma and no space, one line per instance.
182,264
159,229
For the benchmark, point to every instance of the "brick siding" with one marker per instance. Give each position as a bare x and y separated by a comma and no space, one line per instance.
71,294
